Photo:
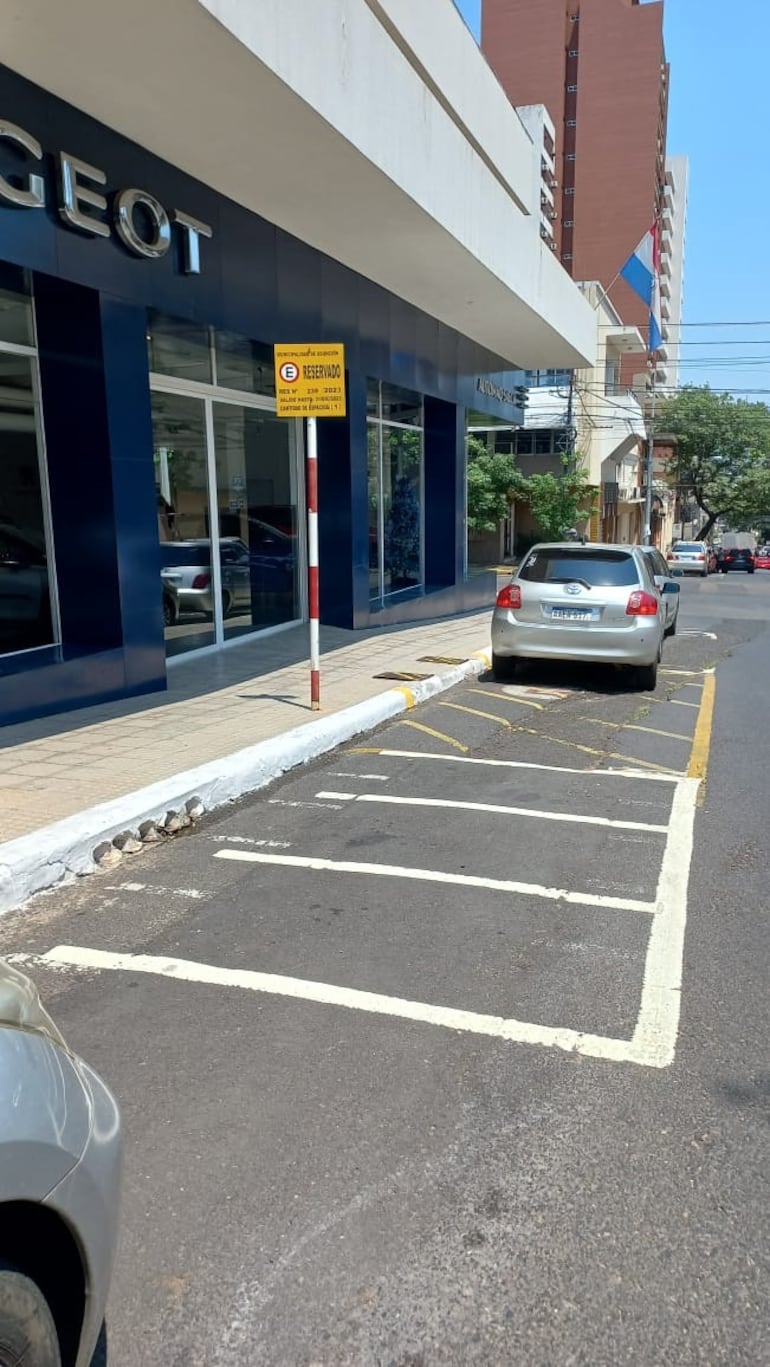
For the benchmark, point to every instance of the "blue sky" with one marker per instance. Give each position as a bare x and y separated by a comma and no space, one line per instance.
720,84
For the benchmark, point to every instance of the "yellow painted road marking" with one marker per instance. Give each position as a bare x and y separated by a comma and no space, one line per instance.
699,755
429,731
476,712
632,726
603,754
407,694
504,697
363,750
689,673
484,656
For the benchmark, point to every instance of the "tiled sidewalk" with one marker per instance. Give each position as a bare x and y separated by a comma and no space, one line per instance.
215,705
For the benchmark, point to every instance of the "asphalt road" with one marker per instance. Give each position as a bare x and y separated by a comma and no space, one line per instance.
407,1075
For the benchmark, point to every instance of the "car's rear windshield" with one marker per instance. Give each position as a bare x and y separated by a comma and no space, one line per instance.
597,568
687,546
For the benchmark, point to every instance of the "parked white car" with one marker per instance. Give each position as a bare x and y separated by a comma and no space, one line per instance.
593,603
689,557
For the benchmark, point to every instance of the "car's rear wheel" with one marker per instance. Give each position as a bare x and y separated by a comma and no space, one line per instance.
647,676
504,667
671,628
27,1331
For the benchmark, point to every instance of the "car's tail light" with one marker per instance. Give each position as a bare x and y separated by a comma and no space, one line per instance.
509,597
642,604
671,556
201,581
700,557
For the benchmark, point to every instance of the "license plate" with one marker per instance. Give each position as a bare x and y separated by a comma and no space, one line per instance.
571,614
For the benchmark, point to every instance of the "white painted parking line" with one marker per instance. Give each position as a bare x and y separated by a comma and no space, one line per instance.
461,880
348,773
154,890
337,797
389,799
652,1045
657,1026
251,840
328,994
522,764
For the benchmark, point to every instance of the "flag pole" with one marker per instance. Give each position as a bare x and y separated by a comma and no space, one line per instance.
605,293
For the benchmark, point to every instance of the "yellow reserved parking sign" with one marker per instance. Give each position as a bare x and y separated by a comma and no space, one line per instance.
310,380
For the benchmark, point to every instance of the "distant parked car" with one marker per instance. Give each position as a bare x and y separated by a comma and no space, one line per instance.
762,558
689,557
60,1169
669,589
736,558
593,603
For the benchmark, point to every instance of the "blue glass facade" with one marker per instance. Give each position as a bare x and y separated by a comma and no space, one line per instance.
92,298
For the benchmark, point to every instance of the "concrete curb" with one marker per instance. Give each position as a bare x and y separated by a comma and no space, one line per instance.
64,850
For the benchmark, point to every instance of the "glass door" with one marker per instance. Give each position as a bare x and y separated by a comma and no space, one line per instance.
237,570
258,524
184,526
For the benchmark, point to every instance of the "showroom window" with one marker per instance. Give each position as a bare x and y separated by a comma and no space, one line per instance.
395,441
218,445
28,618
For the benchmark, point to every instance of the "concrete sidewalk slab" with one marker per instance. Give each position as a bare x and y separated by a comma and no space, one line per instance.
105,770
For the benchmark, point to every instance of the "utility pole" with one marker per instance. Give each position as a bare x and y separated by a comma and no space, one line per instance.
650,425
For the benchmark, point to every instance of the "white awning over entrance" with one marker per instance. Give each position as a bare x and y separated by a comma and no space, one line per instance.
371,129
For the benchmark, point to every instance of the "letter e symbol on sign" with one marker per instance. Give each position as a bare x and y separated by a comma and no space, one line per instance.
289,372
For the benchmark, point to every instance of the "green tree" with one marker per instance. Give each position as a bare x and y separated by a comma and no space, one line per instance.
722,457
559,501
492,484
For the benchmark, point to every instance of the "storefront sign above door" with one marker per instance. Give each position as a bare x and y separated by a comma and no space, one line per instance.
139,220
310,380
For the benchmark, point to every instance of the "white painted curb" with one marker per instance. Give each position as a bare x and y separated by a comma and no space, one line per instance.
38,861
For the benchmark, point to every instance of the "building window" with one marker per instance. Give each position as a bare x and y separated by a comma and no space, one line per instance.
569,223
395,446
574,52
572,123
28,618
569,189
570,156
572,89
227,479
566,256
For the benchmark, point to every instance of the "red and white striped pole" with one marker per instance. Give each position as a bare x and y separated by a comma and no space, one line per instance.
312,564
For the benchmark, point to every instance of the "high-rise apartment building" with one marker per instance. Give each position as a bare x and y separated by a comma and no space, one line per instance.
599,67
673,233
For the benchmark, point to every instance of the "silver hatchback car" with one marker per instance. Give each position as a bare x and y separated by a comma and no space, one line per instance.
60,1168
593,603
